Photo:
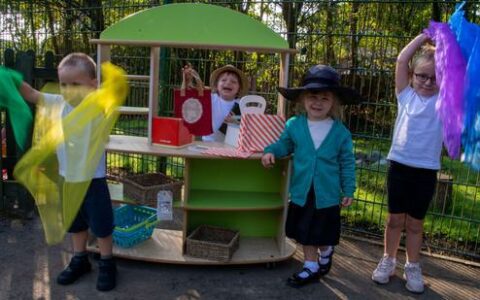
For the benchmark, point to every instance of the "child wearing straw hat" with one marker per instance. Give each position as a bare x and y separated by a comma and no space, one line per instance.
228,85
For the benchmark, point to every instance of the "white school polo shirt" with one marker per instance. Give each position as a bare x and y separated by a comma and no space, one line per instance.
78,145
319,130
417,136
220,110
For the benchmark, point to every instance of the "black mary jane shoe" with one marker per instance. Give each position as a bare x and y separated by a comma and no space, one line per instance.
325,268
296,281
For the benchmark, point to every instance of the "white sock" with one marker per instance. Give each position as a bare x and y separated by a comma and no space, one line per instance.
324,255
393,259
412,264
311,265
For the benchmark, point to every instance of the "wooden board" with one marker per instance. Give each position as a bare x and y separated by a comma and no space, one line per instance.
165,246
233,201
135,144
129,110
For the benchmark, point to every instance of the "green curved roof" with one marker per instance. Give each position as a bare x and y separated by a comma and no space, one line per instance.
194,25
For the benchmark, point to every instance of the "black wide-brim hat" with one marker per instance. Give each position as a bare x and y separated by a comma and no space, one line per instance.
322,78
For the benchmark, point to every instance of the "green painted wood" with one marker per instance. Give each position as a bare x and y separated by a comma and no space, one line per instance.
208,199
235,175
249,223
196,24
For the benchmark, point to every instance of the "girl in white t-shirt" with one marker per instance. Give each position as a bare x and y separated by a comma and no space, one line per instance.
228,85
414,161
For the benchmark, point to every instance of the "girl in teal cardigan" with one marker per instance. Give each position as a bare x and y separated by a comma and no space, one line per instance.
323,176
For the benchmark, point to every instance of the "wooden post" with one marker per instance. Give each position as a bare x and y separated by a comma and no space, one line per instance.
103,55
283,82
153,88
442,200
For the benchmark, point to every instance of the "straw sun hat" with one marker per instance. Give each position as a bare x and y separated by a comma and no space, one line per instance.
244,86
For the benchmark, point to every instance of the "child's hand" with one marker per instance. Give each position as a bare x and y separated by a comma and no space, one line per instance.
268,160
190,75
230,118
346,201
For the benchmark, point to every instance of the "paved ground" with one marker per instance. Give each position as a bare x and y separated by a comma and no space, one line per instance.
28,270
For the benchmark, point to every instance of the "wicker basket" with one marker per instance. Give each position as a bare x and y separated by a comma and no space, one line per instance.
144,187
133,225
212,243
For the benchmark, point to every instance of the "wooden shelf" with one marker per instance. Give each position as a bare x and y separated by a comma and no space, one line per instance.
129,110
135,144
165,246
233,200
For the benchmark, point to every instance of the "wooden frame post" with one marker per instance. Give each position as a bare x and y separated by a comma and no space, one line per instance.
153,88
103,55
283,82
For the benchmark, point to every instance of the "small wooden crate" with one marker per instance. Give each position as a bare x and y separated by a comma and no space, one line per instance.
212,243
144,187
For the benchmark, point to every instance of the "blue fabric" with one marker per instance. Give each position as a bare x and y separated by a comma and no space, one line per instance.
468,37
331,167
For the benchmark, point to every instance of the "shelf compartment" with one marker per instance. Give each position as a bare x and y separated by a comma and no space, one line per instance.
236,175
227,200
264,223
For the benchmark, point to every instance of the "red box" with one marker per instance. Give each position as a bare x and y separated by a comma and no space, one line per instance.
170,132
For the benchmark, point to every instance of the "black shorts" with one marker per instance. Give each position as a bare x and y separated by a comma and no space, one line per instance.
311,226
410,190
96,211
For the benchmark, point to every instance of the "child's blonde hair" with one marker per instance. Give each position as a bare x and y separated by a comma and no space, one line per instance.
426,53
335,112
80,60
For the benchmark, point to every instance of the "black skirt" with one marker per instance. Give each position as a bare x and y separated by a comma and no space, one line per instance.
313,227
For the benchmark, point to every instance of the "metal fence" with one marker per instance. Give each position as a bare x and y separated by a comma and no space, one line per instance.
360,38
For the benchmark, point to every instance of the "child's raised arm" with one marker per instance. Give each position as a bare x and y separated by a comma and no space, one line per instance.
28,93
402,77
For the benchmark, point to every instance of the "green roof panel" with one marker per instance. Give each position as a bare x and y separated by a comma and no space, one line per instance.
194,24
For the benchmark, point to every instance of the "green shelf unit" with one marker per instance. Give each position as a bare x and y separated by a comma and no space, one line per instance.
248,223
237,194
227,200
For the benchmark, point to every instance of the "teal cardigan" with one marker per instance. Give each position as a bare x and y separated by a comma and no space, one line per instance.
331,167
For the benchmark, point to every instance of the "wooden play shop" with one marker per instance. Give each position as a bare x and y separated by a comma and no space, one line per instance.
224,192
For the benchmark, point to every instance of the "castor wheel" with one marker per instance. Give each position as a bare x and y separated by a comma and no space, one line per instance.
270,265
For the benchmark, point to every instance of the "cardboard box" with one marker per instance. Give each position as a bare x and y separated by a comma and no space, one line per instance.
233,132
170,132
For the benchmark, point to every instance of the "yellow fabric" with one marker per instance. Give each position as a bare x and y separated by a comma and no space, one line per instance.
84,133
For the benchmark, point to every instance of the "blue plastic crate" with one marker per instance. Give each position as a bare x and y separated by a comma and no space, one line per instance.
133,224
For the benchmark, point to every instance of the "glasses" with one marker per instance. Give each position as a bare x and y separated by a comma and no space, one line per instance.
424,77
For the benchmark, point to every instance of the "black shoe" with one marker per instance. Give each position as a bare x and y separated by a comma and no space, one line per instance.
325,268
78,266
296,281
107,274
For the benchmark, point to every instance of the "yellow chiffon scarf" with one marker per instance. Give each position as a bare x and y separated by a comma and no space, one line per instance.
83,133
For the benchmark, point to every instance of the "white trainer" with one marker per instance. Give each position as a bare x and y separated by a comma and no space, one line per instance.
385,269
414,278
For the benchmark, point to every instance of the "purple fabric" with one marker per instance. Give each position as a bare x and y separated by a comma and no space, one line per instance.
450,69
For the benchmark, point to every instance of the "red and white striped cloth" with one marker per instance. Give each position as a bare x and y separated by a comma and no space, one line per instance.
257,131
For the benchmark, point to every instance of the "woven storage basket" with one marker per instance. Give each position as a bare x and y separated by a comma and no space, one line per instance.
213,243
133,224
144,187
